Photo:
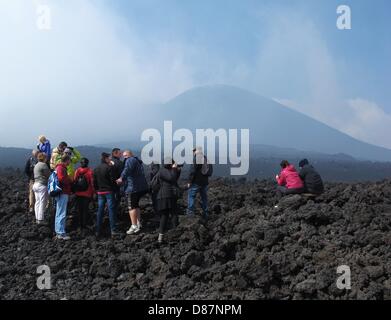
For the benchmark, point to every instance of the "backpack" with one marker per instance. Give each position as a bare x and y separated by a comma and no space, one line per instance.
155,183
54,189
81,184
207,168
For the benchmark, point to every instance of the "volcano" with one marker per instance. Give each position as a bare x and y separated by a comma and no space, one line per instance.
270,123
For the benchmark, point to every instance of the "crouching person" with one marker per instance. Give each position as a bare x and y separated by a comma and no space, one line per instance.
313,182
65,184
167,196
289,181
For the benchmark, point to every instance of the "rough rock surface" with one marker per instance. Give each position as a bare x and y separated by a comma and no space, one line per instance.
249,249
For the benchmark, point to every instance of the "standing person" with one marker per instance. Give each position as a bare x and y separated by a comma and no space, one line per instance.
57,154
41,176
199,181
136,187
44,147
84,190
75,159
154,170
29,171
118,167
104,184
313,182
62,200
288,180
167,196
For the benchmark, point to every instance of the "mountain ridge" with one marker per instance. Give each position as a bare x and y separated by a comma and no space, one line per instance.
196,107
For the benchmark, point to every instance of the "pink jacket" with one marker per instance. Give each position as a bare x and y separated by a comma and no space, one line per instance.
290,178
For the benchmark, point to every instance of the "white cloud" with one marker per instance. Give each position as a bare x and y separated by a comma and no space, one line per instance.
93,72
364,120
295,64
368,122
89,66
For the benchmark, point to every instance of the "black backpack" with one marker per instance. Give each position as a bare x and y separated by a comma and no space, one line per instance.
81,184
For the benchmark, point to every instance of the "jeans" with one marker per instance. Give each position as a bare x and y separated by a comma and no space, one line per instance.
41,200
203,190
61,213
102,200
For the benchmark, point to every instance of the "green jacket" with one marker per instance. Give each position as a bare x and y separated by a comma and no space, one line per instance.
76,157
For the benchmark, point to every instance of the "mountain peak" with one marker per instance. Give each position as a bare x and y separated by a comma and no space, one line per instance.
214,90
270,123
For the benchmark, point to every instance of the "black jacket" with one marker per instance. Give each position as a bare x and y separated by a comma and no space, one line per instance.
312,181
104,180
196,175
168,183
118,167
29,167
154,170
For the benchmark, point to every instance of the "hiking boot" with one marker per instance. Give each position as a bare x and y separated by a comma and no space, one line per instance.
133,230
160,238
63,237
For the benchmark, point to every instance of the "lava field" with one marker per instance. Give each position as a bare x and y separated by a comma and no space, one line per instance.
254,246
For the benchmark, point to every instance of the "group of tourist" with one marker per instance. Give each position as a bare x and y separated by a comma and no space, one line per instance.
53,174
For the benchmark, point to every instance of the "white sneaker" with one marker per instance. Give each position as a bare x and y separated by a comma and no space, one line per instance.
133,230
139,225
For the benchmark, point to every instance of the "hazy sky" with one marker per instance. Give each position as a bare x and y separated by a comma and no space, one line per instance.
91,76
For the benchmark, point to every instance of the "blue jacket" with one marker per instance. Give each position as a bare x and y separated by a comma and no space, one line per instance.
133,176
46,149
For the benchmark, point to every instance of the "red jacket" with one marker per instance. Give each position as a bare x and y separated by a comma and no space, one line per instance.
89,174
290,178
63,179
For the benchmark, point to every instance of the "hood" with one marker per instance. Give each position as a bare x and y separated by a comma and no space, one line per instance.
139,160
84,170
290,168
61,165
